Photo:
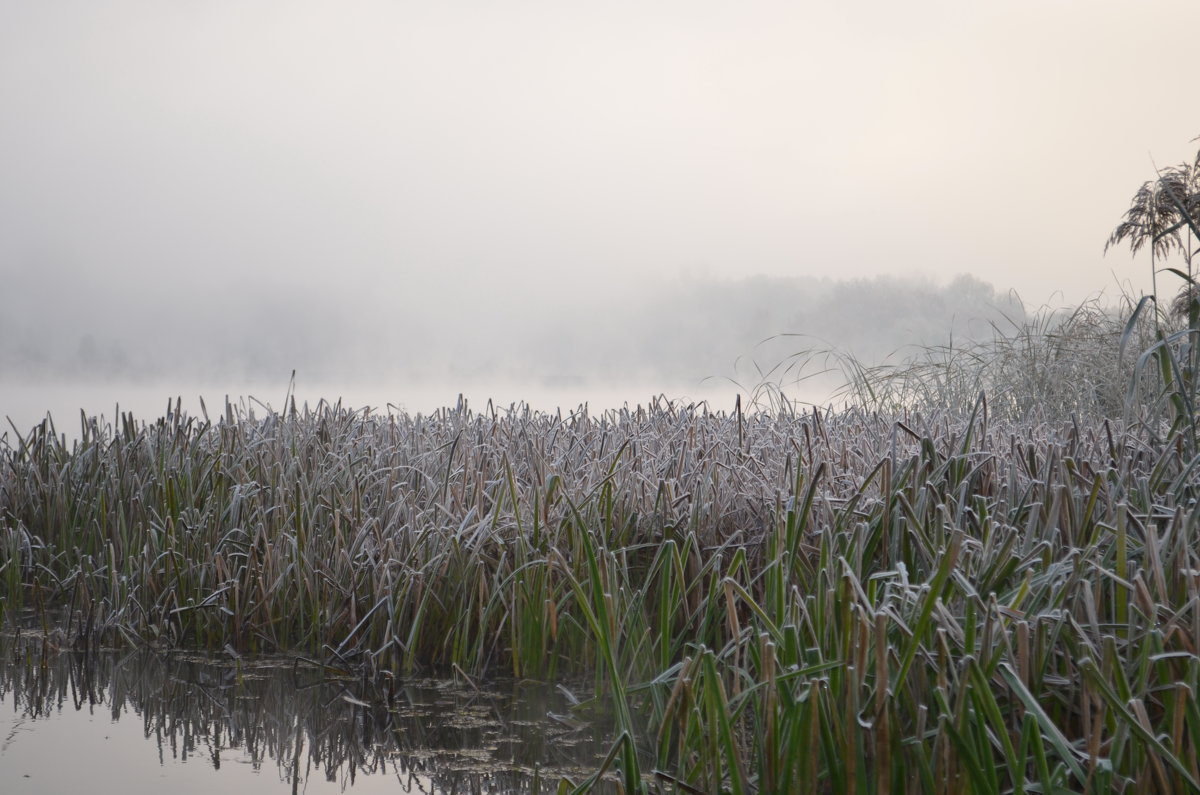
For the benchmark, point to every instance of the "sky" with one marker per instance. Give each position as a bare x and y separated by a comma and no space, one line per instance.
421,196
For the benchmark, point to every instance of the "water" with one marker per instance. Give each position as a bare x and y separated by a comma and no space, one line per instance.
144,721
27,403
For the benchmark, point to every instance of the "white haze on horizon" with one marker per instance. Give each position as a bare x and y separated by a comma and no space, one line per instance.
695,339
402,200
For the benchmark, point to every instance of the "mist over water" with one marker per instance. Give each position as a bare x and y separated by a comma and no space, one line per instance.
695,338
404,202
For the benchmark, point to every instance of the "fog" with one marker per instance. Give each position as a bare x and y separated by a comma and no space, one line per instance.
693,338
401,201
680,330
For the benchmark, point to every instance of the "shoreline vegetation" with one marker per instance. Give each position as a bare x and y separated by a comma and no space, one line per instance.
981,574
768,601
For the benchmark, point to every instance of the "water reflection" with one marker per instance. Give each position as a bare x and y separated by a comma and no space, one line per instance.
84,720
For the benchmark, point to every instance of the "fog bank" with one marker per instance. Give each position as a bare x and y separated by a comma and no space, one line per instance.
670,331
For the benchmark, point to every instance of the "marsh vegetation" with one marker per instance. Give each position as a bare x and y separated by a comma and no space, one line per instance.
980,573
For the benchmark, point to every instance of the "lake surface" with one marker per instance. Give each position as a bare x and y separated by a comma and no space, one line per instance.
26,403
144,721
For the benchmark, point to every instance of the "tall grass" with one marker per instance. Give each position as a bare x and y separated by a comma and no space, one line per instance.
1046,365
768,602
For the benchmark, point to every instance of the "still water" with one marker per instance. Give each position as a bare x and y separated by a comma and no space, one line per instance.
144,721
23,404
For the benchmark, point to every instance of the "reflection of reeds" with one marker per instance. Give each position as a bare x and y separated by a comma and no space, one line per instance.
196,707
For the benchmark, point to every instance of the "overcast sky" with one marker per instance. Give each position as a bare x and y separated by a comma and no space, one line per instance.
254,181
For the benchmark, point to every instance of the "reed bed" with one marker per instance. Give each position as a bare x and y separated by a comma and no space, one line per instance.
767,602
1043,365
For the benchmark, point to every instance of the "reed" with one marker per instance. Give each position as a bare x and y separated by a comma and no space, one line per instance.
767,601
